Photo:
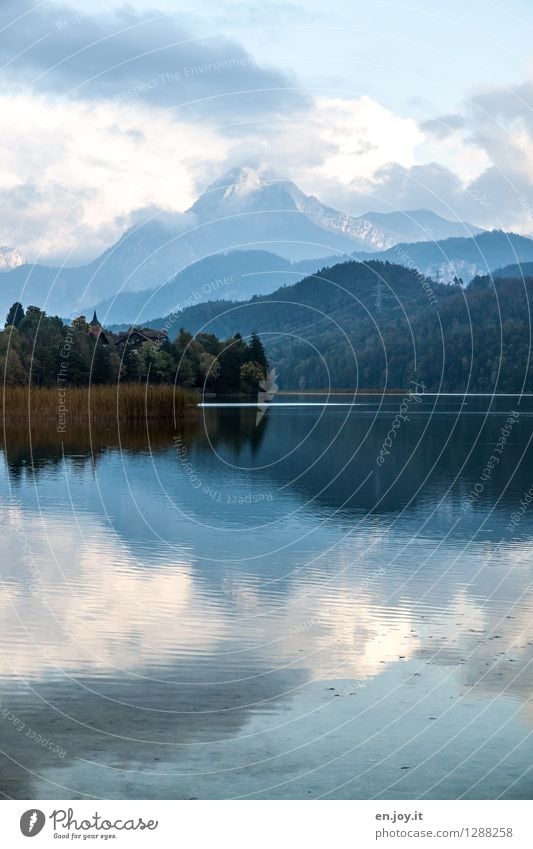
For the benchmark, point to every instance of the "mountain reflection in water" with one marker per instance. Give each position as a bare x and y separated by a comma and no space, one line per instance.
261,609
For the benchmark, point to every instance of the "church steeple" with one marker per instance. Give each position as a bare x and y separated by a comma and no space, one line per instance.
96,330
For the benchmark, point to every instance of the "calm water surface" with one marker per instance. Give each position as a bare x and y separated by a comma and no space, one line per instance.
261,609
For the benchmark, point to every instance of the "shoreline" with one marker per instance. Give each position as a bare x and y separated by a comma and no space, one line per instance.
350,392
396,392
115,402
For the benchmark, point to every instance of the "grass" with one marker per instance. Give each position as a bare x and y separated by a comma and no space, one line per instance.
125,402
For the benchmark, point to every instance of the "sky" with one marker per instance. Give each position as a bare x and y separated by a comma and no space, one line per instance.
111,112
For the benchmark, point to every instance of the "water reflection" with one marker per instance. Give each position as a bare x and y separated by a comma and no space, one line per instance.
234,610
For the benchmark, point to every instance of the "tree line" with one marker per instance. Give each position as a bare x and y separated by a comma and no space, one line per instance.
372,325
38,350
366,325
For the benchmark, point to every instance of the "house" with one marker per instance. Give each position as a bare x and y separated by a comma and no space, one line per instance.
137,336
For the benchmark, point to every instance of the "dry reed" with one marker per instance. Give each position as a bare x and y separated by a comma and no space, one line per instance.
125,402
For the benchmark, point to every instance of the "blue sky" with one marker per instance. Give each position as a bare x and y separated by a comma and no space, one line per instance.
405,54
419,53
367,104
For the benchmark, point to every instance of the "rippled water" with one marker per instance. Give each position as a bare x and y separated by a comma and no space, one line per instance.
266,609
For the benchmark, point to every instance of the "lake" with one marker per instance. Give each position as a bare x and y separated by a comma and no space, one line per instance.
316,601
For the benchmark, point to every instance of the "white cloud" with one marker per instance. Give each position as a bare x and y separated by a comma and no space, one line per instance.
82,168
337,141
364,136
68,635
90,142
466,160
73,174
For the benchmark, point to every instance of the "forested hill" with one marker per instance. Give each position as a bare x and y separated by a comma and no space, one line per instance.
236,275
459,257
379,325
523,269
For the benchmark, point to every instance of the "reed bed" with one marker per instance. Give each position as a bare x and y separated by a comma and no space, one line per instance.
122,402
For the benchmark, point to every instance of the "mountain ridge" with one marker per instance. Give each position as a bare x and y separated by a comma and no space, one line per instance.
242,210
464,258
329,330
236,275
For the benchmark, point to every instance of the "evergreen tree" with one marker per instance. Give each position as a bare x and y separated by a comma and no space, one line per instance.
43,350
232,357
131,365
15,315
256,353
102,367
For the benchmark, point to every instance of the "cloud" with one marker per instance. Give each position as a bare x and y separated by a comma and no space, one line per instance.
475,165
99,163
490,145
507,106
74,192
420,186
129,56
173,222
98,93
397,187
335,142
364,135
444,127
357,155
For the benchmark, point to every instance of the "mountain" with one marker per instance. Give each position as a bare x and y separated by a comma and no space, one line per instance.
10,258
524,269
344,293
56,290
458,257
236,275
146,255
244,192
243,210
381,230
330,330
